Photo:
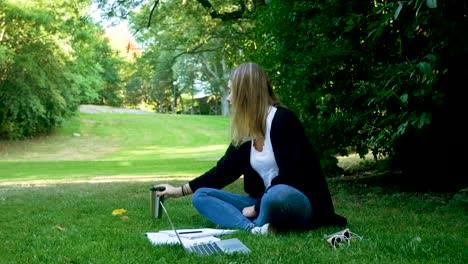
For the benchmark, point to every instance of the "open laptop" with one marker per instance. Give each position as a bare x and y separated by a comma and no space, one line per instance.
218,247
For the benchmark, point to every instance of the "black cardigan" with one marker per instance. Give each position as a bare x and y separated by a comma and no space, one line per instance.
298,165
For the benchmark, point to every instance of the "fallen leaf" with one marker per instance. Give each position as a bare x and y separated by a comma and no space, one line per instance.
60,228
118,211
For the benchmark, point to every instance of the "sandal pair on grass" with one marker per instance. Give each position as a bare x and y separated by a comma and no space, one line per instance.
342,237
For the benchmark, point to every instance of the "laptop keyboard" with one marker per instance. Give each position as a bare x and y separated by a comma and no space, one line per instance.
206,249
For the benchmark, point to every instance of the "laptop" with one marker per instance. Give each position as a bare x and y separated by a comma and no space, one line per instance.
226,246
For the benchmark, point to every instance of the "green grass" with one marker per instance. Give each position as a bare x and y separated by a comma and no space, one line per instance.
73,222
119,145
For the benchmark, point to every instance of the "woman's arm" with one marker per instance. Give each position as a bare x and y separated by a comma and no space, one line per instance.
227,170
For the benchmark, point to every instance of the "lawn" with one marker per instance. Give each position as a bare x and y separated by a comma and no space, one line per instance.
118,145
57,194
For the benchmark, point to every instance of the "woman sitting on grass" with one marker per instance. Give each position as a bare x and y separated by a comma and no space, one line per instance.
285,184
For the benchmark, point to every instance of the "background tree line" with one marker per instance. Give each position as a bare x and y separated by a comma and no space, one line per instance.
52,58
380,76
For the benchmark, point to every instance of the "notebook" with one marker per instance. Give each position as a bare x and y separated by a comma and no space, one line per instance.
225,246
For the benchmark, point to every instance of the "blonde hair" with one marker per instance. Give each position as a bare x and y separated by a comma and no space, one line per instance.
251,98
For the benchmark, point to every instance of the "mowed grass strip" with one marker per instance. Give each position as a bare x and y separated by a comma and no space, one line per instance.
96,145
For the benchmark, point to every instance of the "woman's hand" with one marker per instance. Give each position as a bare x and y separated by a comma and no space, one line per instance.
249,211
168,191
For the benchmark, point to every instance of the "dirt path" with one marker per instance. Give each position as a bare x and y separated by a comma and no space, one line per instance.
112,179
96,109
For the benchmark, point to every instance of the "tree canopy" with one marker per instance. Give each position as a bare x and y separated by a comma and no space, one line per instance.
380,76
52,58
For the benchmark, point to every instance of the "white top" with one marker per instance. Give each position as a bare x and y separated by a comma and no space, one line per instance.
264,162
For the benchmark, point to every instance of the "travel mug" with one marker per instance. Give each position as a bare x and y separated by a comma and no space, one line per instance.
155,203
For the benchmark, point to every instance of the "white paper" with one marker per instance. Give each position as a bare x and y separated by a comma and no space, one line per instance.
198,232
160,238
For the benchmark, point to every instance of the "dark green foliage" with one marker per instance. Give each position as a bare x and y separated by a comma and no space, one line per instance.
375,76
51,60
34,95
317,68
415,45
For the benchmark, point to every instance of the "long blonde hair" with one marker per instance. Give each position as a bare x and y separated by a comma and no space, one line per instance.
251,98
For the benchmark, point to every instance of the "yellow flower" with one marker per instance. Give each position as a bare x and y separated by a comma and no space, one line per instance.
119,211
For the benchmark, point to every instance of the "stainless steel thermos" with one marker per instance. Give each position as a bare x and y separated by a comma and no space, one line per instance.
155,203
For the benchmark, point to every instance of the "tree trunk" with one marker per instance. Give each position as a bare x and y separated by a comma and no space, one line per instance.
225,109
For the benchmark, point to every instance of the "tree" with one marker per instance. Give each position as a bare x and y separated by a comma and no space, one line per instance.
33,97
51,60
372,75
214,37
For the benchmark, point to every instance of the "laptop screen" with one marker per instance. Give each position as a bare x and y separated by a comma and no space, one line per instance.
172,225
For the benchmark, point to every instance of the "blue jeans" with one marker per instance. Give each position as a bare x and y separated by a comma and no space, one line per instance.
283,206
